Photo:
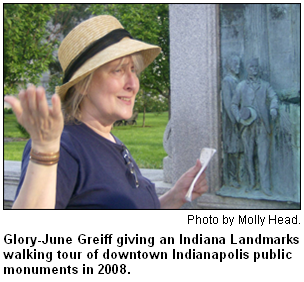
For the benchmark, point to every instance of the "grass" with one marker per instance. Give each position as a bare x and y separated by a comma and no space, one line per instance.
144,143
13,150
10,127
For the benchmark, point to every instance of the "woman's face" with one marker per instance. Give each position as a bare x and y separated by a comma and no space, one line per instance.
111,94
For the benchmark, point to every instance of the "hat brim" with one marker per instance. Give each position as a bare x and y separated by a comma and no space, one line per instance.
121,49
251,119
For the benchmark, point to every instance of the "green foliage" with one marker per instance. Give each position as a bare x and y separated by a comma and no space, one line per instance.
8,111
67,19
28,43
10,127
12,150
23,131
145,102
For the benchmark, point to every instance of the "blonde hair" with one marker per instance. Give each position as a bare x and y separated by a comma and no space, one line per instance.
72,101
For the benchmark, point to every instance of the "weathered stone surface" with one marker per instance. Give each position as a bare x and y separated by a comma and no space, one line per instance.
195,112
270,34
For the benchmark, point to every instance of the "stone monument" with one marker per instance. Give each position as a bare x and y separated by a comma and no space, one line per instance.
210,46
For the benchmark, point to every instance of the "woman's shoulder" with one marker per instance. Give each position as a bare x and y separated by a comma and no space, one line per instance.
73,132
71,137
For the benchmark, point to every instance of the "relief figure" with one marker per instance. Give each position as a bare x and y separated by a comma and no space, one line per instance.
231,136
253,103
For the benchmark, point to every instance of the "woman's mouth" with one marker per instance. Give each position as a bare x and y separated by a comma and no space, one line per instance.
125,99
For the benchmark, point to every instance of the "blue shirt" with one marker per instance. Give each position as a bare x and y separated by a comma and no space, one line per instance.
93,174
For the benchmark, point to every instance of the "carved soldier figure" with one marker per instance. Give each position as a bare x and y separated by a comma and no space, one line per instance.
253,102
231,136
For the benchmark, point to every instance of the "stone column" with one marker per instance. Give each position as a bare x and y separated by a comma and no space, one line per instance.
195,103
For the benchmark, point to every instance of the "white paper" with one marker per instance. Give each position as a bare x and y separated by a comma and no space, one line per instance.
205,157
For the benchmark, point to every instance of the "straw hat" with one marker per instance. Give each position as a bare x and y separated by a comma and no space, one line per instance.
94,43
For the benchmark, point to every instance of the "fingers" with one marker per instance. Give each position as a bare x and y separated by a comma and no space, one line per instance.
42,105
16,105
198,164
44,124
201,181
23,97
31,99
56,106
195,169
37,102
32,105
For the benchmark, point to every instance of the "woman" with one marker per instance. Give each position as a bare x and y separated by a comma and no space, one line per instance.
101,63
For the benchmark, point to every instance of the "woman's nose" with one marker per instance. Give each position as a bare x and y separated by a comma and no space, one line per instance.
131,82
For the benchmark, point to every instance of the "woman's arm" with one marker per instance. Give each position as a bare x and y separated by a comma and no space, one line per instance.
45,126
175,197
38,190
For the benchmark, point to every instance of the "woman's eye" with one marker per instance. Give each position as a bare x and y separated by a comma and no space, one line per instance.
134,70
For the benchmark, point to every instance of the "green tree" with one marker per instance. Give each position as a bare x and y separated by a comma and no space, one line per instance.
146,102
149,23
67,19
28,43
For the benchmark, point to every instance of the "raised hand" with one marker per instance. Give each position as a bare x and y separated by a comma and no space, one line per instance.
43,123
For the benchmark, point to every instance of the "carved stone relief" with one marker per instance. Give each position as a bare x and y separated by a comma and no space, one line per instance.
260,101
